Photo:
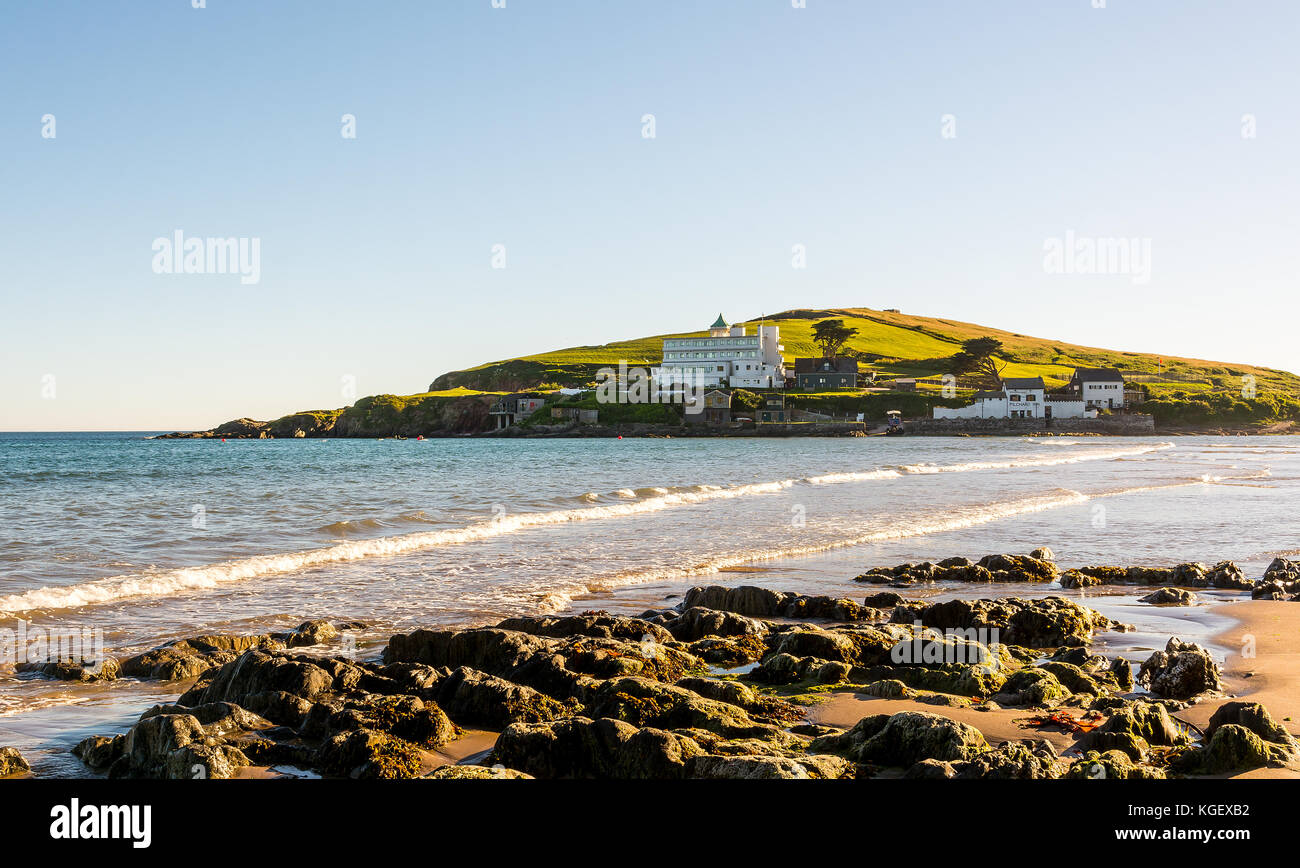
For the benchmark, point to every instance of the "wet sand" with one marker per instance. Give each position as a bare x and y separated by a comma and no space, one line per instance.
1270,677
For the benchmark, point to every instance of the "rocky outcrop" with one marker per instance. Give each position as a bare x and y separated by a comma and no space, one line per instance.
991,568
904,739
1169,597
1041,623
1181,671
12,763
1240,736
763,603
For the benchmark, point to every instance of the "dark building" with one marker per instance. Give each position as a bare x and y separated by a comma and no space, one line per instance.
821,375
773,409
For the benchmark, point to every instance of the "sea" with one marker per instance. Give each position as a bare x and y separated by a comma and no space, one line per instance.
140,541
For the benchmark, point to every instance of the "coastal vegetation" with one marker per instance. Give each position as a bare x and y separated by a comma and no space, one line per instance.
1178,392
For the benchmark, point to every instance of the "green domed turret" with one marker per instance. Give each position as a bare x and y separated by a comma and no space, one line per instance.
720,323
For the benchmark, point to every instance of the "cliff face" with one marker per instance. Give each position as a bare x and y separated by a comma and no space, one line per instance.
375,416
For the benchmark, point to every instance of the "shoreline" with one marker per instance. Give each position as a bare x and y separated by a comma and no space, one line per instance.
1272,678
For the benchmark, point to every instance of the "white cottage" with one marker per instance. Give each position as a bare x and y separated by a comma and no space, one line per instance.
1099,388
1018,398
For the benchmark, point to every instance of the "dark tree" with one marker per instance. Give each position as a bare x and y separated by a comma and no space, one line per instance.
831,335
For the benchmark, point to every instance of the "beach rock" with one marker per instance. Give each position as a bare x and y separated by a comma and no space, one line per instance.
1271,590
189,658
1074,678
597,625
1033,759
240,428
1122,671
888,688
478,699
1041,623
12,762
698,623
1191,575
367,755
1181,671
311,633
408,718
931,770
175,747
1147,721
1228,575
784,669
1235,748
99,751
1036,688
1043,553
1078,579
882,600
646,703
735,651
1111,765
1242,735
1282,570
992,568
904,739
743,600
755,768
83,671
273,685
476,773
579,747
1169,597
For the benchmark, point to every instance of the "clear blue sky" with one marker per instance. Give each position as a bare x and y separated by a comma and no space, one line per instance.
522,126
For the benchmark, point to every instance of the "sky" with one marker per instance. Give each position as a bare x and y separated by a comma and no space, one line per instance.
925,155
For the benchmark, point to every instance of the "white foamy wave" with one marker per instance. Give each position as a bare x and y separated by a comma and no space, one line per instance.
1037,461
161,583
172,581
956,519
855,476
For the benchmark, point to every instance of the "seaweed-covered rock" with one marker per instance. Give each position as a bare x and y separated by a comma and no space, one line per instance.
733,651
1078,579
175,747
476,773
882,600
904,739
478,699
12,762
1226,574
1148,721
1112,765
1169,597
1181,671
578,747
99,751
1032,687
597,625
1241,735
81,670
1013,760
699,622
366,754
1041,623
311,633
646,703
189,658
749,768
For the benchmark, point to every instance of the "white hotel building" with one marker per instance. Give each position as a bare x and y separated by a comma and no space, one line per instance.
727,357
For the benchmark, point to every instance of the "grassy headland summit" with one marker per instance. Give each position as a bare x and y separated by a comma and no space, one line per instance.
903,358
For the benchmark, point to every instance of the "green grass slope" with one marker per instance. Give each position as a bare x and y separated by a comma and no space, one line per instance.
894,344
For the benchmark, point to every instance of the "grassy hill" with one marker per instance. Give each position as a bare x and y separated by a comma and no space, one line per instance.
893,344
